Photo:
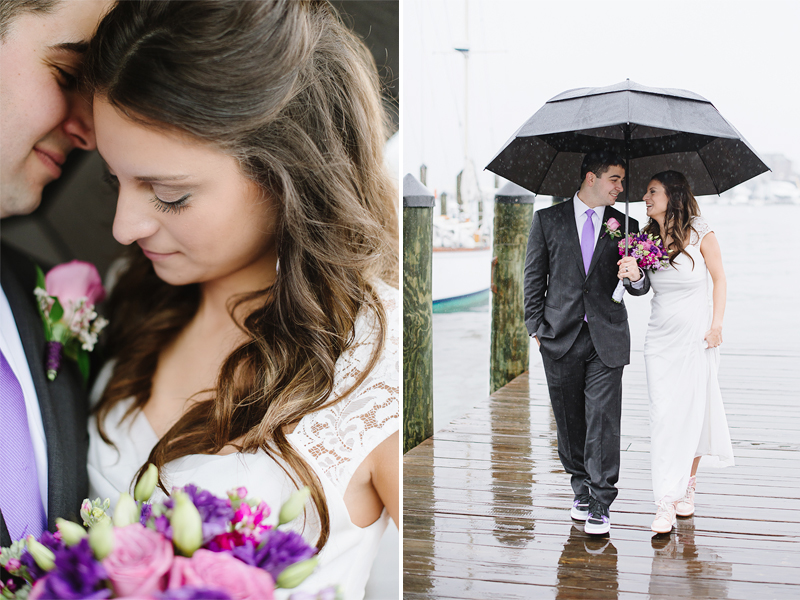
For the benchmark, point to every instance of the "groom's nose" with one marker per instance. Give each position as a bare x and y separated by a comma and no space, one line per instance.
134,219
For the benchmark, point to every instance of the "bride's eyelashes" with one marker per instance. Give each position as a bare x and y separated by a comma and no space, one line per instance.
161,205
174,207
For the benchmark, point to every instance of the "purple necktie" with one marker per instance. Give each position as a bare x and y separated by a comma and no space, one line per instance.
587,240
20,499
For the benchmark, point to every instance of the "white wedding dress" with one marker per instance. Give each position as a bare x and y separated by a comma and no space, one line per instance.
687,417
333,441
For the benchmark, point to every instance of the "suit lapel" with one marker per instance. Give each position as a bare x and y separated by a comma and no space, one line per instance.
31,333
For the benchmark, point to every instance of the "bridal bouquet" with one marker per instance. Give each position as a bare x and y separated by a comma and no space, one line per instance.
192,546
649,252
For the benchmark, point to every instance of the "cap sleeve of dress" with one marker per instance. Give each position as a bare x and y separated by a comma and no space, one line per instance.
701,229
338,438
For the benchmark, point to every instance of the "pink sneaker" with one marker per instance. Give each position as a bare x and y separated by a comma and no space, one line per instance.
665,517
685,507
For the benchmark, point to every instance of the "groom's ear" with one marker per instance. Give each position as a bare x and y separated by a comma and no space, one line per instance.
590,177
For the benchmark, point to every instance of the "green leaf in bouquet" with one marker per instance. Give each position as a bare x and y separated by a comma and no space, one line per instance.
57,311
40,278
83,364
60,333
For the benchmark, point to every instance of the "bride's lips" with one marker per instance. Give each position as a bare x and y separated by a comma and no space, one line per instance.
157,255
51,159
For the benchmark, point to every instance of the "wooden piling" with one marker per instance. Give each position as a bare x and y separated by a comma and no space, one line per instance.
417,313
510,343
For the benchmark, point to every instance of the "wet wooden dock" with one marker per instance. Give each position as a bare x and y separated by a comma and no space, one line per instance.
486,501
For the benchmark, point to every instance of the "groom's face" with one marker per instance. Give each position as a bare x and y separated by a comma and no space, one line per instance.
44,114
607,187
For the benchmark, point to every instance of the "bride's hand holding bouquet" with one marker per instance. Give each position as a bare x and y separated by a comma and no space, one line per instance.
648,252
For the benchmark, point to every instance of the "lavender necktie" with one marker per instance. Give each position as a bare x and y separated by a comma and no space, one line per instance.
587,240
20,499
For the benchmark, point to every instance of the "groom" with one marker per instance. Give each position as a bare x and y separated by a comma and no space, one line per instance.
570,274
43,436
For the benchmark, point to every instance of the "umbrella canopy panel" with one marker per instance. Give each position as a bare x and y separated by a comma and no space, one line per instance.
668,129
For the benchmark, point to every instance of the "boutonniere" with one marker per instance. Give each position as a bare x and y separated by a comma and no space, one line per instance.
66,299
611,227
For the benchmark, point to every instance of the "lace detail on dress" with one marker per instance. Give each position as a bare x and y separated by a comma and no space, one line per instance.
701,228
339,438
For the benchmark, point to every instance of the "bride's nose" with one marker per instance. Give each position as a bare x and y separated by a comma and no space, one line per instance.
135,218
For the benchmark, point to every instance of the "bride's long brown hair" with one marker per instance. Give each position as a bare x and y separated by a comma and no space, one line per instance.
286,89
681,209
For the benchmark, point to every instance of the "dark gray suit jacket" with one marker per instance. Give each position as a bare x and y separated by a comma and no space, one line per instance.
558,292
63,402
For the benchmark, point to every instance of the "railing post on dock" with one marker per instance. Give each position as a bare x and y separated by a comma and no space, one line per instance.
510,346
417,313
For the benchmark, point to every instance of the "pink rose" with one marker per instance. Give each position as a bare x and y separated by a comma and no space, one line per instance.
223,571
139,562
69,282
612,224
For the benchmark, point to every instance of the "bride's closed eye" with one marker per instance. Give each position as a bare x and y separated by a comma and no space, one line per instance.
174,206
161,204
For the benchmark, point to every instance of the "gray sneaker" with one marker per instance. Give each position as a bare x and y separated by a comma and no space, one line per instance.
598,521
580,507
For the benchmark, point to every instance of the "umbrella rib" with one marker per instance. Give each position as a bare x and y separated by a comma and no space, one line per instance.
710,174
548,169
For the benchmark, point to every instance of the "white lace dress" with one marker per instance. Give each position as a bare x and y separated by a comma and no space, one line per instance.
687,417
333,441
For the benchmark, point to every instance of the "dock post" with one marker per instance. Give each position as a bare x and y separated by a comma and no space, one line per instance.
510,343
417,313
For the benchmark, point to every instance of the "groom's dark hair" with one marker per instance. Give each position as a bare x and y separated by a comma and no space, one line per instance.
599,161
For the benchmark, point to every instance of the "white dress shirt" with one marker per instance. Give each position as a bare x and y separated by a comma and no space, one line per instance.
11,345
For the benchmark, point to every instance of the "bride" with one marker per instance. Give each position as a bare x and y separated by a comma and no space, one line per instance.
681,352
254,335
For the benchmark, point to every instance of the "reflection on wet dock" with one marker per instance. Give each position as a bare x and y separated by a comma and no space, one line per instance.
486,501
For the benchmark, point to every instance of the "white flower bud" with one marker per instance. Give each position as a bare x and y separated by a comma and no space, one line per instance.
71,533
295,574
147,484
43,556
293,507
187,525
101,539
127,511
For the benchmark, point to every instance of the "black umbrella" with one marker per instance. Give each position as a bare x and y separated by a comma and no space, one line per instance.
655,129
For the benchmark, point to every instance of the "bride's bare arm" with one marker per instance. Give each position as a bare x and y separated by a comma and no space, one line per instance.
386,474
712,254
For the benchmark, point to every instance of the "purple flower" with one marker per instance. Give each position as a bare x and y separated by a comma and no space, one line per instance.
163,526
76,575
147,508
215,512
278,550
49,540
194,593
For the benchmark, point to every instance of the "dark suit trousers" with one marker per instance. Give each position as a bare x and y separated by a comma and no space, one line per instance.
586,396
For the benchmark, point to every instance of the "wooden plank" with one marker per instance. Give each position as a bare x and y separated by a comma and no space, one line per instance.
486,502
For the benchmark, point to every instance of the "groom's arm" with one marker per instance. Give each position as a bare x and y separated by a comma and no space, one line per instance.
537,269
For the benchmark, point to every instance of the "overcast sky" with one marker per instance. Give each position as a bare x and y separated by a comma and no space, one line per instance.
743,56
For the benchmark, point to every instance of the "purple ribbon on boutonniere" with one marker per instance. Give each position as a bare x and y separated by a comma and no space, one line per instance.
611,227
66,299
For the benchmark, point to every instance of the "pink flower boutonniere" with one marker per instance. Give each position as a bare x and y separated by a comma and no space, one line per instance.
66,298
611,228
